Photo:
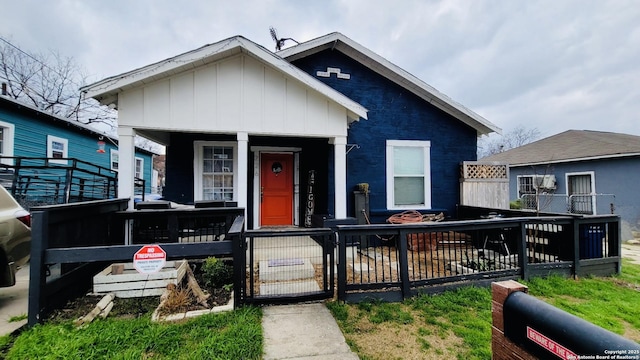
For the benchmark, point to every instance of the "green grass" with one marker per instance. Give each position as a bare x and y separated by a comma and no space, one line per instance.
609,302
231,335
18,318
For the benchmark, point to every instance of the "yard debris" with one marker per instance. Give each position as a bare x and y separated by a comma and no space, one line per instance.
102,309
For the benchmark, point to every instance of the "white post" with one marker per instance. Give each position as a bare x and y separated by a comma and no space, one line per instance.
126,163
243,169
340,176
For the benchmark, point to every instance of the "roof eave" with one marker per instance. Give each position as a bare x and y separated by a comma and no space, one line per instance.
394,73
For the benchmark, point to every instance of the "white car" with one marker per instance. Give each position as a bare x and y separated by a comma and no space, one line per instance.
15,238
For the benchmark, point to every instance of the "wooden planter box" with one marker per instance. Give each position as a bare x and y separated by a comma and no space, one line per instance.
130,283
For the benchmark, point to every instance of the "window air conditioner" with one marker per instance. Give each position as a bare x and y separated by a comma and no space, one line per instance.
546,182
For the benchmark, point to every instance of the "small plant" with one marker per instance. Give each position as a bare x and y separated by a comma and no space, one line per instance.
178,299
215,273
515,204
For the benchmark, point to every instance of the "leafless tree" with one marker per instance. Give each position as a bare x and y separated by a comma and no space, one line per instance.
50,82
519,136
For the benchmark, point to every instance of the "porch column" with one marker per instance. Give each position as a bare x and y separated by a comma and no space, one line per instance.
243,170
340,176
126,163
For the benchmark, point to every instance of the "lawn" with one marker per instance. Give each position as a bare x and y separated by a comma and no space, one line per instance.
231,335
457,324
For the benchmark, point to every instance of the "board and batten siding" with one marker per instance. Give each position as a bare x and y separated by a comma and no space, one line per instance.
236,94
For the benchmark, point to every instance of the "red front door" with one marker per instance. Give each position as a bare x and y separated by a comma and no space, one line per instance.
276,189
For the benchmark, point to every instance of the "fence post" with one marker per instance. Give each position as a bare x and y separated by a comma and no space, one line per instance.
342,264
239,265
576,247
523,261
404,264
37,267
501,347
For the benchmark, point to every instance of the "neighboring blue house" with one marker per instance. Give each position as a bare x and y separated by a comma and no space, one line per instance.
578,171
293,132
30,133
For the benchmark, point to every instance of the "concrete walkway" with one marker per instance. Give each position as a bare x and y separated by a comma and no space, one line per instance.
303,332
14,302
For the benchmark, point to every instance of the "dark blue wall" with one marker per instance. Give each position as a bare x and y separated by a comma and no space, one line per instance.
395,113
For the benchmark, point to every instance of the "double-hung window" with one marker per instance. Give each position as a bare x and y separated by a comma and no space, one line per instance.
115,160
408,174
216,168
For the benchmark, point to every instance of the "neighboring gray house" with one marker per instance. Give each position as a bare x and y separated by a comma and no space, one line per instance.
578,171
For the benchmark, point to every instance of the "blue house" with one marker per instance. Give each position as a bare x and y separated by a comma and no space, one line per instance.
26,132
293,133
581,172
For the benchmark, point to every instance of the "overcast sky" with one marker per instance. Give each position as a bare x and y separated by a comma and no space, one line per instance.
552,65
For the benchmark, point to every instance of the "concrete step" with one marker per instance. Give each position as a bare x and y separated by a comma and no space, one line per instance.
285,269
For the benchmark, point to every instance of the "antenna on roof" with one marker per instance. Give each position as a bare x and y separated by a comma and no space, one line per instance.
279,41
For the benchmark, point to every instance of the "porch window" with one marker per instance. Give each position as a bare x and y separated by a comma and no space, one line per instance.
6,142
408,174
139,168
57,148
216,168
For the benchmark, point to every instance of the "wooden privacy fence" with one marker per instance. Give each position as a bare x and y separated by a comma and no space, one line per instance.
73,242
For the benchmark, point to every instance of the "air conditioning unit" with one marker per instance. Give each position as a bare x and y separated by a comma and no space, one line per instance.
544,182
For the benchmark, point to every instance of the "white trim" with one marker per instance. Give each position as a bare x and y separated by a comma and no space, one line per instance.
135,161
340,176
198,166
9,134
257,157
426,146
113,152
65,151
106,91
392,72
592,175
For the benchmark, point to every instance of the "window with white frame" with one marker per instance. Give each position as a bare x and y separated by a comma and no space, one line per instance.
139,168
408,174
115,160
216,167
57,148
6,142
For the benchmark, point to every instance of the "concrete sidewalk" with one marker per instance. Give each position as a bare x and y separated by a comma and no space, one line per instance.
14,302
303,331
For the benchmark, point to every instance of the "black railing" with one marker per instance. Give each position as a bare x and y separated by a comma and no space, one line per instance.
73,242
397,261
48,181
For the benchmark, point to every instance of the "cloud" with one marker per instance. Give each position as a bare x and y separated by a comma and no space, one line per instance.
551,64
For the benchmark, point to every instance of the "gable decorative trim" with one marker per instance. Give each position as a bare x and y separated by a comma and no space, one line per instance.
331,70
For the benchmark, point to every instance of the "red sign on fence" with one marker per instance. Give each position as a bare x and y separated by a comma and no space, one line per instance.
149,259
552,346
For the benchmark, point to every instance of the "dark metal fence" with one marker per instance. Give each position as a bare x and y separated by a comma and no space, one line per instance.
393,262
73,242
287,266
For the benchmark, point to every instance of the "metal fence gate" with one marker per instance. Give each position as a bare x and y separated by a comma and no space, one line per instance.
284,266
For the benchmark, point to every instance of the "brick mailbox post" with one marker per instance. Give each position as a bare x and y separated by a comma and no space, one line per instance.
528,328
